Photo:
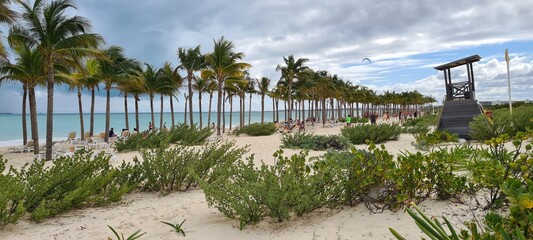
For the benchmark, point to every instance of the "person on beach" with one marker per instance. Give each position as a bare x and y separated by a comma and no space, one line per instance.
150,126
373,117
213,126
348,121
112,132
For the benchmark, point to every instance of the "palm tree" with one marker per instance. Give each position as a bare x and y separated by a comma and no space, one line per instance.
171,76
211,88
289,73
150,78
251,90
7,16
114,68
92,68
29,70
57,36
201,85
262,87
192,61
222,64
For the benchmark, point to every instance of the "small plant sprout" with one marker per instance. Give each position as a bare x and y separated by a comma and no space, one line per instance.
177,227
133,236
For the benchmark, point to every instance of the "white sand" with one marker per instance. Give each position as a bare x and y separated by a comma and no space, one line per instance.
146,210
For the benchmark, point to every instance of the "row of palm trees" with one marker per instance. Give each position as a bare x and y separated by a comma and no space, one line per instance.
53,47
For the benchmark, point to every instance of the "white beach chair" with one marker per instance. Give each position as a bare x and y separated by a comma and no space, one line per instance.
22,149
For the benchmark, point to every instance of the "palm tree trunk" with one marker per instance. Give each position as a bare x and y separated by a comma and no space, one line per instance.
33,120
209,111
223,111
126,117
273,109
24,123
262,108
137,112
277,110
161,115
200,109
219,105
152,109
185,110
324,112
190,78
250,110
230,111
80,107
50,110
107,112
172,110
91,126
289,93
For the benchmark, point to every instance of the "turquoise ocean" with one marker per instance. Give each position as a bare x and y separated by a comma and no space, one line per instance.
11,124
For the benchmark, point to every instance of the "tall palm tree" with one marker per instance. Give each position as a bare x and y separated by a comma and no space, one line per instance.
289,72
114,68
150,78
92,68
201,85
29,70
56,36
7,16
262,87
223,64
171,76
211,88
191,61
251,90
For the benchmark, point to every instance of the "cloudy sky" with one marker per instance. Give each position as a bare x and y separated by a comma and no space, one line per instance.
404,39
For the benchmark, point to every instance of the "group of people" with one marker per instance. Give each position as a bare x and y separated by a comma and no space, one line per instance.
288,126
125,132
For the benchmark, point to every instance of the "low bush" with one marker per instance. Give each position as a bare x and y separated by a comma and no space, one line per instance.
74,182
420,125
502,122
491,167
304,140
256,129
168,170
360,134
249,194
182,134
425,140
12,193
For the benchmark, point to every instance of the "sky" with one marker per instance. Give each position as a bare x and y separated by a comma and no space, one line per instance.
404,39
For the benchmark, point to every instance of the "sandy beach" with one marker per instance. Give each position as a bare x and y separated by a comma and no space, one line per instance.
145,210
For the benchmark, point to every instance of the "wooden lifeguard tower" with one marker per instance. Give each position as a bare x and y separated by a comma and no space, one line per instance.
460,105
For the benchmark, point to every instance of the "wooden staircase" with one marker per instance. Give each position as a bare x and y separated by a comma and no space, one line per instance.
457,114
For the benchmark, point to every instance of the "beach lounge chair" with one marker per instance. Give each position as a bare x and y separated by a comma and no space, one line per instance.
71,138
22,149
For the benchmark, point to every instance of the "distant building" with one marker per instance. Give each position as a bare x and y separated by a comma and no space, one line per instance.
498,102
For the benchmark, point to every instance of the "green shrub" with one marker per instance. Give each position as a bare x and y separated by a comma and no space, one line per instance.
424,140
74,182
360,134
420,125
256,129
492,166
12,193
168,170
249,194
304,140
502,122
182,134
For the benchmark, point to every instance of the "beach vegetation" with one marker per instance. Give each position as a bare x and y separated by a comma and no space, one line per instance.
256,129
425,140
420,125
136,235
502,122
303,140
360,134
178,227
169,170
248,193
12,193
74,182
494,165
181,133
